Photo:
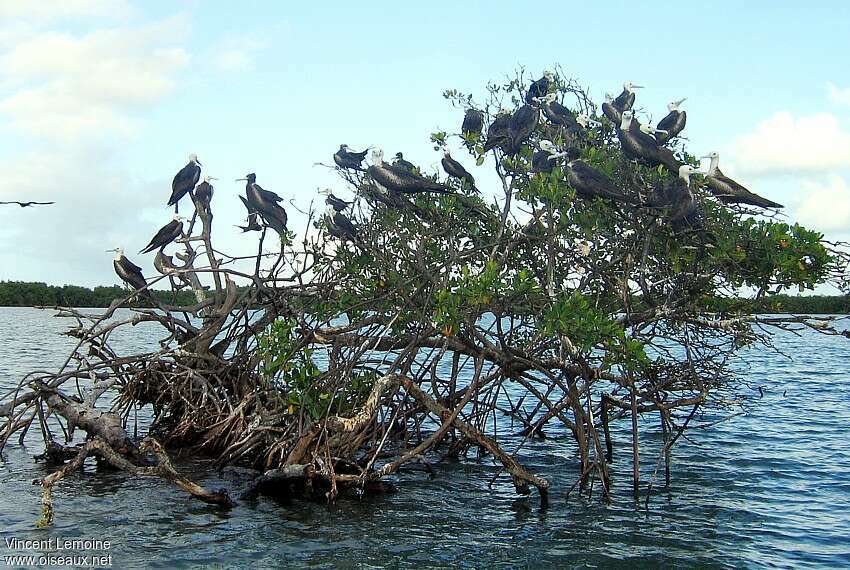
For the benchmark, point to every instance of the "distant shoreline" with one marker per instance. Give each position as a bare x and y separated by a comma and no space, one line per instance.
36,294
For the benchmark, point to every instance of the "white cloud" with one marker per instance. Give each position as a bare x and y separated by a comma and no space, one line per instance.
67,86
825,207
787,144
838,95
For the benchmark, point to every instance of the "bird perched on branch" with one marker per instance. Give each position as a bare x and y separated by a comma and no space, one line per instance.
455,169
673,123
728,191
399,161
609,110
557,113
253,224
583,178
166,234
339,226
129,272
265,203
185,181
626,99
642,147
338,204
28,204
499,131
348,159
540,87
204,193
473,122
399,179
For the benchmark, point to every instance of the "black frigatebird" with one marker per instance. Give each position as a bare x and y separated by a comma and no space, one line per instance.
499,131
398,160
185,180
473,122
265,203
673,123
625,100
166,234
338,204
129,272
640,146
609,110
28,204
346,158
455,169
204,193
253,224
540,87
339,226
522,124
557,113
399,179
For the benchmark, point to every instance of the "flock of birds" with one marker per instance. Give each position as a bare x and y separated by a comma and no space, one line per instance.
508,131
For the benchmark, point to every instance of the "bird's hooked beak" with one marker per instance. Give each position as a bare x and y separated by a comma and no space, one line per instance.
240,180
212,177
113,250
680,101
637,86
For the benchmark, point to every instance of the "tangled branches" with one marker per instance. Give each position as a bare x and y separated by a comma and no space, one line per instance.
410,327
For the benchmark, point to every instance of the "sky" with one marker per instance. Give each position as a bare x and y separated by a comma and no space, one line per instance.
102,101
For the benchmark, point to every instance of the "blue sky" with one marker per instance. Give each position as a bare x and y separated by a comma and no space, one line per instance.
101,101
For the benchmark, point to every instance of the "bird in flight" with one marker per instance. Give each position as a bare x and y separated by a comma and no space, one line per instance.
28,204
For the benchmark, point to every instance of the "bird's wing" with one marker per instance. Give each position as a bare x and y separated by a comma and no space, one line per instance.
267,194
187,177
667,122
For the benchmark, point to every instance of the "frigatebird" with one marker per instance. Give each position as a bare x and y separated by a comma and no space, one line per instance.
586,180
185,180
265,203
338,204
399,179
557,113
656,134
522,124
730,192
640,146
166,234
499,131
129,272
28,204
625,100
253,224
339,225
673,123
675,194
609,110
473,122
540,87
455,169
204,193
398,160
346,158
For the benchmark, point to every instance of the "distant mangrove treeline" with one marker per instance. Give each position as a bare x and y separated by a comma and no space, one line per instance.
26,294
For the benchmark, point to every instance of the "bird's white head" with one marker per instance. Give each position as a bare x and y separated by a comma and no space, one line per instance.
626,120
586,121
549,75
377,156
674,105
194,158
714,157
178,218
685,172
446,152
343,147
118,251
609,98
548,146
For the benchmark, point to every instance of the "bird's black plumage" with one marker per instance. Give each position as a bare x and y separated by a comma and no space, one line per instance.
642,147
184,182
499,132
338,204
624,101
591,183
537,88
541,163
204,194
166,234
340,226
400,179
400,162
558,114
348,159
683,208
673,124
473,122
130,273
455,169
522,124
609,110
265,203
28,204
